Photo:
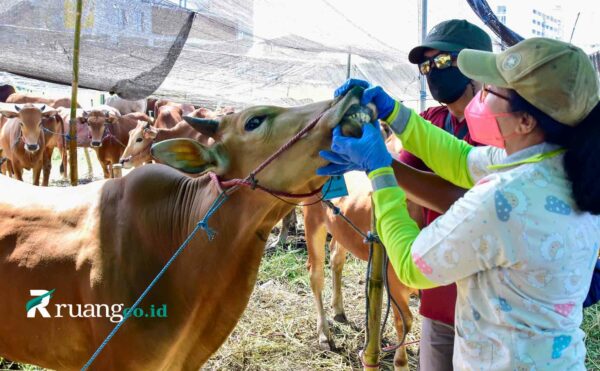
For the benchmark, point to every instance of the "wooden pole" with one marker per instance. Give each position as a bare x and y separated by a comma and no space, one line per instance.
73,121
372,349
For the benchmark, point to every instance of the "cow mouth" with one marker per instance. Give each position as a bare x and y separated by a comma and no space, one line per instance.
353,120
347,112
126,162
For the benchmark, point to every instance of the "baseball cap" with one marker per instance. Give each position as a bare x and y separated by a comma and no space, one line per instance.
556,77
452,36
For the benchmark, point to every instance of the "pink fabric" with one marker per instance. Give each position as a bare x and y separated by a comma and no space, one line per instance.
482,123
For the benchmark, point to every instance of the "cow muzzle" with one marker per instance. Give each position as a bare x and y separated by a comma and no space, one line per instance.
96,143
32,147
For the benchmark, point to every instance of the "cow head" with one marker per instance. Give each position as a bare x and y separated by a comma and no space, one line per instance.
30,118
97,121
138,147
245,139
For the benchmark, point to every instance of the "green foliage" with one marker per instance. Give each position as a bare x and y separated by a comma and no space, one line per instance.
287,267
591,327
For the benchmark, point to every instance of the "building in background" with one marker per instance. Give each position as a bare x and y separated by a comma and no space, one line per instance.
532,19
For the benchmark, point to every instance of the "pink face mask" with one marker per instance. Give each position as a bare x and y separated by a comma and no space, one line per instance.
482,123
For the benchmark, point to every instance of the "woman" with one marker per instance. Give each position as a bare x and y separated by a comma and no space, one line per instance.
522,243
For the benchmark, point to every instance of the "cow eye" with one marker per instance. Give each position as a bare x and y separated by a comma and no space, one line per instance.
254,122
138,140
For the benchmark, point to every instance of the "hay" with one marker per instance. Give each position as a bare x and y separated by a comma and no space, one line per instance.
278,329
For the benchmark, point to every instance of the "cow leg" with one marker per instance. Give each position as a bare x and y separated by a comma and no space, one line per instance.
288,222
105,169
46,166
17,171
64,163
402,320
37,170
338,258
9,169
316,236
88,160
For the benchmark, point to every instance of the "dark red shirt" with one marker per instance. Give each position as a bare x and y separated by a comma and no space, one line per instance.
438,303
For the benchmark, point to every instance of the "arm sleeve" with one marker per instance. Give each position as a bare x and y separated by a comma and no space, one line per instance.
395,227
440,151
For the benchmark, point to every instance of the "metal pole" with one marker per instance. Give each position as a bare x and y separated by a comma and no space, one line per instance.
73,120
423,92
349,65
574,25
371,354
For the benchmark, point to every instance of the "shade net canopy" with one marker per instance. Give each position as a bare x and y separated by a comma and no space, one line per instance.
223,52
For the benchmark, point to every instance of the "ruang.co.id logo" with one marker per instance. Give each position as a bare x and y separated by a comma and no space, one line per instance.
114,312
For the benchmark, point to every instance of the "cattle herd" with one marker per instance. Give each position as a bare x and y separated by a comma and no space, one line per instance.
31,127
105,244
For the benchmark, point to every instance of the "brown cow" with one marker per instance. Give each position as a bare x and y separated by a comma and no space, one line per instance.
144,135
110,133
23,139
318,221
103,244
167,117
186,108
19,98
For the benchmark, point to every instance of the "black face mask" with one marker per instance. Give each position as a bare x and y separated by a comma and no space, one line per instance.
447,85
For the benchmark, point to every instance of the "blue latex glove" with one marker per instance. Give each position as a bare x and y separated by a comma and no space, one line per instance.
372,94
338,164
366,153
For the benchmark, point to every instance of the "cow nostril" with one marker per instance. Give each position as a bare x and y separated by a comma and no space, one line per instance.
96,144
32,147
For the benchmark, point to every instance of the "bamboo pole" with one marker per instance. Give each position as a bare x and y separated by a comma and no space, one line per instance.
372,348
73,121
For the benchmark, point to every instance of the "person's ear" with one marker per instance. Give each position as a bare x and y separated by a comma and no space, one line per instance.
527,123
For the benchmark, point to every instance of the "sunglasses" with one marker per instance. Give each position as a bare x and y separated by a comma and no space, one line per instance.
485,90
440,61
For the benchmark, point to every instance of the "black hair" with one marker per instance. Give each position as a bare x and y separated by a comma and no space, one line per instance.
582,158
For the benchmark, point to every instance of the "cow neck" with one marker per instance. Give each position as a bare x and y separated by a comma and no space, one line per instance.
242,226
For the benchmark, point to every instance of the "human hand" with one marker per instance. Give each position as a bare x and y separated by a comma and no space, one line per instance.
366,153
372,94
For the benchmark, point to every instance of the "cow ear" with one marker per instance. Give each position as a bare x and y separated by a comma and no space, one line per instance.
9,114
150,132
190,156
49,112
112,118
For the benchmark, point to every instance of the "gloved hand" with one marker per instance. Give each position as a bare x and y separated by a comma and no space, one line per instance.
372,94
338,164
366,153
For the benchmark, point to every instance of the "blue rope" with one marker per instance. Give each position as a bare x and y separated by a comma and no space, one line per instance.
202,224
53,132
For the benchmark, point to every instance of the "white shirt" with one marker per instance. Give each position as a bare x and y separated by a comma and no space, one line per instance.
522,257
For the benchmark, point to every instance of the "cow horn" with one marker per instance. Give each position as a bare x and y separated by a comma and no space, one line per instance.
17,108
207,127
43,108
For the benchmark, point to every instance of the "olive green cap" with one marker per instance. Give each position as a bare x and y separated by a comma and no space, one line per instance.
556,77
452,36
